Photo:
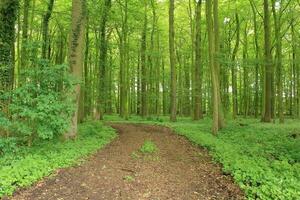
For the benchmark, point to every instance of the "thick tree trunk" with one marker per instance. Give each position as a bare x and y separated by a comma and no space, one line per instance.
76,56
102,92
8,16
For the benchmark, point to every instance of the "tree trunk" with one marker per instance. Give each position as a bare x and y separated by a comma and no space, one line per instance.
172,62
45,30
198,66
76,56
144,97
234,69
268,64
102,92
8,16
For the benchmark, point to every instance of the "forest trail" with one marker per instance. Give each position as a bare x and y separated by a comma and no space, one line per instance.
178,171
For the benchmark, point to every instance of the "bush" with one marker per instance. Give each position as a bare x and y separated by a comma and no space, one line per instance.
41,105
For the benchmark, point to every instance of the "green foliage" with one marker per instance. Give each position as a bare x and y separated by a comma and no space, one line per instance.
41,106
128,178
148,147
262,158
29,164
8,145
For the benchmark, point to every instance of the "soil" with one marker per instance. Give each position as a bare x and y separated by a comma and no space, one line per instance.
177,171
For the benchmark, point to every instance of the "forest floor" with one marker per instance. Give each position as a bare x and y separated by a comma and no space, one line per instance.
178,170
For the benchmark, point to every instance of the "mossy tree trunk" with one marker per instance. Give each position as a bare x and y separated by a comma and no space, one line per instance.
8,16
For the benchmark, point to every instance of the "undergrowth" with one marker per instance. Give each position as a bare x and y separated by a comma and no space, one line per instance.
264,159
21,166
148,147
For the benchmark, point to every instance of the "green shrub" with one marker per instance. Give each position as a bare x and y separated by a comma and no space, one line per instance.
41,105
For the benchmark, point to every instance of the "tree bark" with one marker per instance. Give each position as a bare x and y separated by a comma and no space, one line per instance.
76,56
172,62
45,29
8,16
198,66
268,64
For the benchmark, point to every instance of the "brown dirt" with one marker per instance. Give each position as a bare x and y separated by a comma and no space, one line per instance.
178,171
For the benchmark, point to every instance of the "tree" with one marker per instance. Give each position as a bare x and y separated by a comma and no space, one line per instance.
144,103
8,16
172,61
76,56
45,29
103,59
268,65
198,68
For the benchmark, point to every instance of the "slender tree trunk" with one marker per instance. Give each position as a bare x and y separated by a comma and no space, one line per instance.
214,72
234,69
268,64
217,51
277,26
256,97
144,97
45,31
172,62
198,66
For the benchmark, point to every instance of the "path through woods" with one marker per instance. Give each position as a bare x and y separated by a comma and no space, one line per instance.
178,171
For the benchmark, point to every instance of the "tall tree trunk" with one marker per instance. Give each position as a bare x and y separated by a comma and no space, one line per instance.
172,62
8,16
221,122
144,97
268,64
25,33
198,66
214,73
76,56
277,26
256,44
45,30
234,69
102,96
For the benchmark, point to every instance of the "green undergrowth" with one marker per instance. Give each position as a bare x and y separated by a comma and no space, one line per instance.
23,165
264,159
148,147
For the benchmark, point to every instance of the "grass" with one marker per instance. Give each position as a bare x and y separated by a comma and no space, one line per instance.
26,165
129,178
264,159
148,147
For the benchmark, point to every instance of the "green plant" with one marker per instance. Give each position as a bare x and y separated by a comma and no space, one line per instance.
148,147
41,106
128,178
27,165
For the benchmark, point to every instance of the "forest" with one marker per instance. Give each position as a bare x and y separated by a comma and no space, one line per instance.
150,99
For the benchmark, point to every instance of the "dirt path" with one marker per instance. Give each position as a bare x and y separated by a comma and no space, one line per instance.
179,171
